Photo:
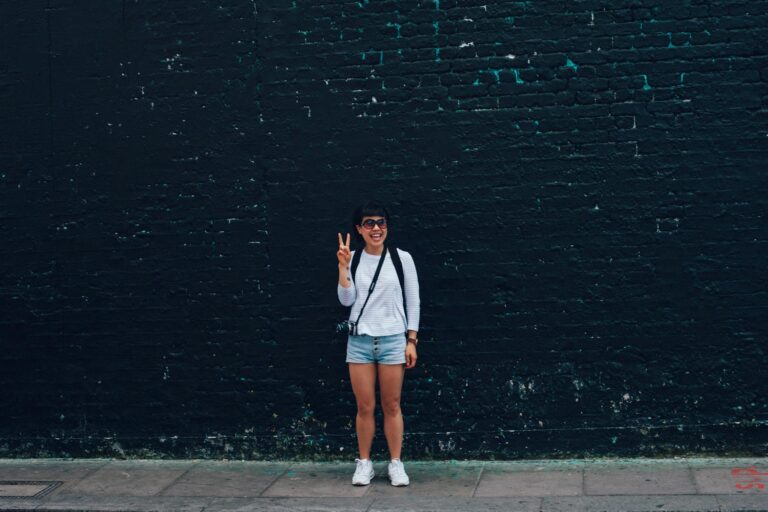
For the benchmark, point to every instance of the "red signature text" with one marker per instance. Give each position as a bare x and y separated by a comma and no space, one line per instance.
749,478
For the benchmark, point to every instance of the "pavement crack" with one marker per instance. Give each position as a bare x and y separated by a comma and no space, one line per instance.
477,482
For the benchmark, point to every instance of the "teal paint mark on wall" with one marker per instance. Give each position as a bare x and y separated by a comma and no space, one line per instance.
436,25
646,86
397,27
518,80
437,4
437,54
494,72
570,64
510,20
381,57
682,78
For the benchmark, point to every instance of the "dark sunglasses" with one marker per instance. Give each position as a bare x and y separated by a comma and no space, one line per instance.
369,223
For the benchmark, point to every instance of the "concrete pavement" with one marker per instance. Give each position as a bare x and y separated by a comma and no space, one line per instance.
680,484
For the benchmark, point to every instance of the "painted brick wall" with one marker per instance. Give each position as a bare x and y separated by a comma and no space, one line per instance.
582,185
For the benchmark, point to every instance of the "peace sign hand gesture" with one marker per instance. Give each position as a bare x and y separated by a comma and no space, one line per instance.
344,255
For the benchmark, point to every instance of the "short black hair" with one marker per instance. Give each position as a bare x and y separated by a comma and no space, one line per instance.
367,209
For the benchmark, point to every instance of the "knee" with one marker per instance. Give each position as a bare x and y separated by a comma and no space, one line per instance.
391,407
366,408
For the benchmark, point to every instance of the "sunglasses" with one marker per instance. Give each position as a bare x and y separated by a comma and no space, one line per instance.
369,223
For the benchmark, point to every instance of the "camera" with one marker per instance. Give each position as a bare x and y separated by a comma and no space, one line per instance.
347,327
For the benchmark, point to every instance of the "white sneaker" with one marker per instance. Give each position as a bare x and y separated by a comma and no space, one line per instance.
363,472
397,474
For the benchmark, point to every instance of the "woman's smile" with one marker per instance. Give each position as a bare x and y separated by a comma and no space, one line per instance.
373,229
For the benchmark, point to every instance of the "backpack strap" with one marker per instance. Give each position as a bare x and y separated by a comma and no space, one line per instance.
355,262
400,275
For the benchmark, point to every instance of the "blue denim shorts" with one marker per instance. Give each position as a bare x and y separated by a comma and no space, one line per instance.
376,349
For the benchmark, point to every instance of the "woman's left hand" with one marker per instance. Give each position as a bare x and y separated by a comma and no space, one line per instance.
410,355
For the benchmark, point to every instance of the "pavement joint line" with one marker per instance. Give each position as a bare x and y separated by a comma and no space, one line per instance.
278,477
86,475
692,476
161,491
477,481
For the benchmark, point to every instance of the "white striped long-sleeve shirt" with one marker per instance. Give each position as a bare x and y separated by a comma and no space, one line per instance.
384,314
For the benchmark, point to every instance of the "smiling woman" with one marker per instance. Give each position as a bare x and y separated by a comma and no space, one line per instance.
381,282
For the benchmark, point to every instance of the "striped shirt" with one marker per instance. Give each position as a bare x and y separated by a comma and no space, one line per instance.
384,314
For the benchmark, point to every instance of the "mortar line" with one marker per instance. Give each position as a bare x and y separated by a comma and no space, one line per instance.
50,80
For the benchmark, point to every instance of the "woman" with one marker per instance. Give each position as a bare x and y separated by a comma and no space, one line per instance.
383,341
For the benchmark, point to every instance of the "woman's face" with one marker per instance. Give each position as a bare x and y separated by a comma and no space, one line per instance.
373,230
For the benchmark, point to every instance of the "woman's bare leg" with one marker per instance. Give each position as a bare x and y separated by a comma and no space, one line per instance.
390,386
363,378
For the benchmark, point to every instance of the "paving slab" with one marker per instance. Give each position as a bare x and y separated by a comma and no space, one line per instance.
517,480
661,503
19,504
733,479
67,472
632,481
310,479
456,504
130,478
289,505
752,502
122,504
429,479
226,479
563,504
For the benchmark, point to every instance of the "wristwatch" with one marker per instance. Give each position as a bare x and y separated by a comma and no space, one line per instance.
413,340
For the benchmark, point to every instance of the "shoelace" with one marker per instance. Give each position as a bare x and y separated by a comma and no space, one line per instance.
360,465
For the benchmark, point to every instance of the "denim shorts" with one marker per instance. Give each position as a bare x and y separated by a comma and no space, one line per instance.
376,349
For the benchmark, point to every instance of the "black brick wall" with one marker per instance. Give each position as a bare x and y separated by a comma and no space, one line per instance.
582,185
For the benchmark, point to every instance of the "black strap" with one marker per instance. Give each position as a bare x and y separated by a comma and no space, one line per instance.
398,268
356,262
400,276
373,283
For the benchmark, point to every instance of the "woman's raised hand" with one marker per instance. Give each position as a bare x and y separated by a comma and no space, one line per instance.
344,253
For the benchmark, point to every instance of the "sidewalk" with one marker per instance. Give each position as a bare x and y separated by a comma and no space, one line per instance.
692,484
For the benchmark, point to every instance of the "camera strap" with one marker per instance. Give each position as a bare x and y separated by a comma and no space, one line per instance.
373,282
397,262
